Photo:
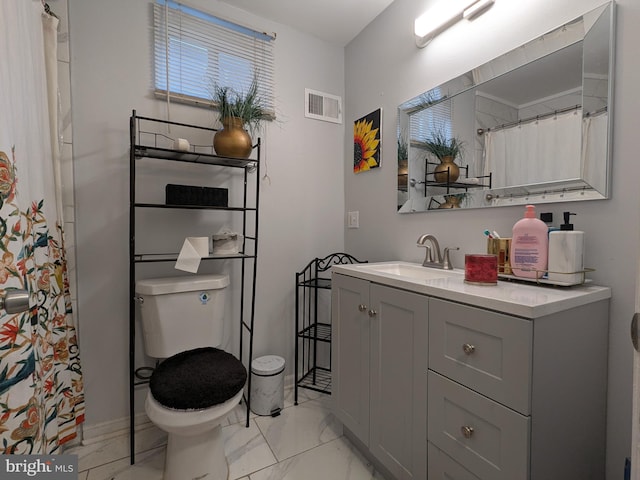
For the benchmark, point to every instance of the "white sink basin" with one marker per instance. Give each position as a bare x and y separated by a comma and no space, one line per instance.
409,270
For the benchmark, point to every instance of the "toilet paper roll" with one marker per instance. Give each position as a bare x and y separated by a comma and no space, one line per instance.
181,144
192,251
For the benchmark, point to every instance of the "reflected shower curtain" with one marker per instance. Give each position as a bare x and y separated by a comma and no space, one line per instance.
594,148
41,390
535,152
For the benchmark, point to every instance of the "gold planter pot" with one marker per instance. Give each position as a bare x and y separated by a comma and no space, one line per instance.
446,165
233,140
451,201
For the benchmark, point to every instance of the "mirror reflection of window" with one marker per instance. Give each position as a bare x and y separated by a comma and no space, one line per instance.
423,126
430,120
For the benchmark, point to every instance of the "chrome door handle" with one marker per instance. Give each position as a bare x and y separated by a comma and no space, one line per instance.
372,313
362,307
15,301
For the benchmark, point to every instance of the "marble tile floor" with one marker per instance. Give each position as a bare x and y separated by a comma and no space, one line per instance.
304,442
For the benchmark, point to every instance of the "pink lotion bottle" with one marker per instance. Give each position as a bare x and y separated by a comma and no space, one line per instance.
529,246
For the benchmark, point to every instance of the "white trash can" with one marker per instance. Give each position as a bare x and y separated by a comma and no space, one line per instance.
267,385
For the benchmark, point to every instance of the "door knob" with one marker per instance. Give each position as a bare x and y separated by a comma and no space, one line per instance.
15,301
362,307
372,313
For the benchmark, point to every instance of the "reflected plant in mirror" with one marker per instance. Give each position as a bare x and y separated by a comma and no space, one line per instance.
446,149
534,121
403,162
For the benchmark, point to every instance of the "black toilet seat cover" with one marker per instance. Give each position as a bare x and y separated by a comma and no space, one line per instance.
197,379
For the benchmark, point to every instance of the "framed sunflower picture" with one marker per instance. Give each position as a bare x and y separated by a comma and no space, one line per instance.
366,142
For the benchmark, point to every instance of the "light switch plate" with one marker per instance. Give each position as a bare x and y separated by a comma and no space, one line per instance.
353,219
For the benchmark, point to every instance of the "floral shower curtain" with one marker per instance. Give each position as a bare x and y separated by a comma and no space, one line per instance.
41,391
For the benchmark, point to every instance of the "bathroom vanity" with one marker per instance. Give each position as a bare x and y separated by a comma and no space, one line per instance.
435,378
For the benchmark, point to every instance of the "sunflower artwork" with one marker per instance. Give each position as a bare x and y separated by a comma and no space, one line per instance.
366,142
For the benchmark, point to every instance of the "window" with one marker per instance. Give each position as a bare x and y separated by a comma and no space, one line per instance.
194,51
436,118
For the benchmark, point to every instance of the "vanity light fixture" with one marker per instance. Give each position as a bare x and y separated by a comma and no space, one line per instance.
443,15
477,9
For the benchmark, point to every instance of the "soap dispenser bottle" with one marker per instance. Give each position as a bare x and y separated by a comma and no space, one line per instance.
566,250
529,246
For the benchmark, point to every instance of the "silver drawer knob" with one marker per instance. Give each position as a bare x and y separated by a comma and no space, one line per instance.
372,313
466,431
362,307
468,348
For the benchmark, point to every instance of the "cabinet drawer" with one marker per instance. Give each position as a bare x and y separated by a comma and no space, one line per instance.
443,467
486,438
488,352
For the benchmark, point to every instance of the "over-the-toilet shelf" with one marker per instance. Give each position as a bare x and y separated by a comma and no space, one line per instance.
157,151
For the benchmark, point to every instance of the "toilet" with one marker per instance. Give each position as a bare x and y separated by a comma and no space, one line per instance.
197,384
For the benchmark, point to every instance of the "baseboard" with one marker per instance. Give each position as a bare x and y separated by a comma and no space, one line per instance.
113,428
288,381
364,451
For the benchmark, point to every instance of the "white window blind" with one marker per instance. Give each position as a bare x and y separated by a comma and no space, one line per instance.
193,51
436,118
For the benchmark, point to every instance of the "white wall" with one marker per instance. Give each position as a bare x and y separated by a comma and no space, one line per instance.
384,68
301,202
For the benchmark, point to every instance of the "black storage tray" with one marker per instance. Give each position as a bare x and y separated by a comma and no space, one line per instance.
194,195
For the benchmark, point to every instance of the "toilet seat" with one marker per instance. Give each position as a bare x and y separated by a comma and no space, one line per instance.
197,379
189,422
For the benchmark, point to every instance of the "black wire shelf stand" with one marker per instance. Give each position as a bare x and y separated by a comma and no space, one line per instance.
313,324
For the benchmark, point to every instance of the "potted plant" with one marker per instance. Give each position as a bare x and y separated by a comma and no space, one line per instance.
239,112
446,149
453,200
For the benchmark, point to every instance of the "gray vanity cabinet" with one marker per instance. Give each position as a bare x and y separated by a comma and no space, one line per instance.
380,351
441,380
516,399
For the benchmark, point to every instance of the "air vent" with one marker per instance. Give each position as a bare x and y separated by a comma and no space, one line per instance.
322,106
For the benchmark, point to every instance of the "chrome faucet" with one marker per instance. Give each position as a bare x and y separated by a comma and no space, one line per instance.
433,257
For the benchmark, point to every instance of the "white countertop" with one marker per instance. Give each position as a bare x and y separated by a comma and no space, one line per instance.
524,300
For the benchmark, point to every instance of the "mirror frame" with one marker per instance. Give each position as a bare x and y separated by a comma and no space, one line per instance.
574,189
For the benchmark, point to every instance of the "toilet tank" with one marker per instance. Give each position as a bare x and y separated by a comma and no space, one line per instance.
181,313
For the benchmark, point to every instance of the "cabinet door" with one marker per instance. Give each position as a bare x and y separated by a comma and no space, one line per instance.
399,381
350,353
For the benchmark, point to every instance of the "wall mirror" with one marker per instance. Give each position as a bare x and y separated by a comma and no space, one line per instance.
534,125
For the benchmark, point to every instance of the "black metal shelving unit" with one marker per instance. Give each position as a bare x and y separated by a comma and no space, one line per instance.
484,181
311,332
153,147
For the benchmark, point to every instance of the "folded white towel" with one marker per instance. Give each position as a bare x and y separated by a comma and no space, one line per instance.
470,181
